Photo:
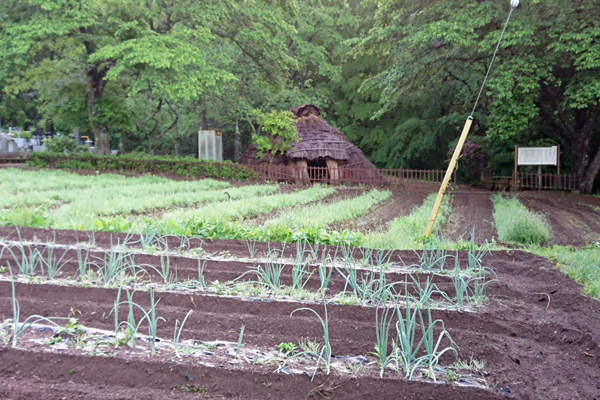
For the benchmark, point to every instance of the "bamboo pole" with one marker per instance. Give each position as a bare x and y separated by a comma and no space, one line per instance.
448,176
466,129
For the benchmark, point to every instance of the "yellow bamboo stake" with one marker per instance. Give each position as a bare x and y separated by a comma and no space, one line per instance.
465,132
448,176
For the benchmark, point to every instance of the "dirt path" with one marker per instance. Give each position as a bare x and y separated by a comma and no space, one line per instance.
471,210
539,336
574,220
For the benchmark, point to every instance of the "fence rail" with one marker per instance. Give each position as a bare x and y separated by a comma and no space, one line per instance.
347,176
529,180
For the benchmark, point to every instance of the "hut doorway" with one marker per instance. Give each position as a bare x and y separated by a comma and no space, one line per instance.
317,170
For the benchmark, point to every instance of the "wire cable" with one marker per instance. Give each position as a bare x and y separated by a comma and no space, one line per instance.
493,59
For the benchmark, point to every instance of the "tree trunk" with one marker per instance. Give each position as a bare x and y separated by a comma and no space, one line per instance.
204,121
95,89
588,177
238,141
587,158
579,128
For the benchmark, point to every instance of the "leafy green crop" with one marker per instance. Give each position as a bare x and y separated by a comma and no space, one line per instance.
516,224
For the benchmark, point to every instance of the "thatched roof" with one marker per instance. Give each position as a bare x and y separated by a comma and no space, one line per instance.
319,140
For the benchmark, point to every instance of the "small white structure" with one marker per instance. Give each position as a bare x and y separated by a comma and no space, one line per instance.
90,146
537,155
210,145
11,143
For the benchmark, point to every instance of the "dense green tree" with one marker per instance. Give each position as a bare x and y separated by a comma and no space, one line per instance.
96,55
398,77
545,85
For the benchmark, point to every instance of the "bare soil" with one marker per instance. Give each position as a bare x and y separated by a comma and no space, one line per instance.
471,210
539,335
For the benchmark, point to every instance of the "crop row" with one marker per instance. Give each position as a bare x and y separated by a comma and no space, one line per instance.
416,334
363,280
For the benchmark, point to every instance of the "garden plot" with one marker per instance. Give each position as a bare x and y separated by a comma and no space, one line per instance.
319,216
91,204
531,313
471,211
516,224
407,230
400,204
50,187
217,209
572,222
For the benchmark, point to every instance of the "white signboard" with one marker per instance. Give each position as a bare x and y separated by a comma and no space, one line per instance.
537,155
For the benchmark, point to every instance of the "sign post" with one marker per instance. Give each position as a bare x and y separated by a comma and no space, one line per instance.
536,156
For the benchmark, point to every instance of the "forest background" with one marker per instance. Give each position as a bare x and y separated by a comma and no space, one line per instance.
397,77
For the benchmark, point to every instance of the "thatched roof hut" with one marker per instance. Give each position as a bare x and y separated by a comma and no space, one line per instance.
321,145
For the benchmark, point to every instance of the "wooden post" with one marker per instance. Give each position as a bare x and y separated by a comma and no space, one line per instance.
448,176
303,171
332,167
516,173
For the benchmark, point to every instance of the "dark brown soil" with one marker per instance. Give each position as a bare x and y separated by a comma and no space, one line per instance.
574,219
27,374
186,269
471,210
539,335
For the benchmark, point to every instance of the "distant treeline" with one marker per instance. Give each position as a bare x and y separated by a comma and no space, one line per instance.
397,77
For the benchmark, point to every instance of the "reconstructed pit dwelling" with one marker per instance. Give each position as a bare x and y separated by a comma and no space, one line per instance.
321,146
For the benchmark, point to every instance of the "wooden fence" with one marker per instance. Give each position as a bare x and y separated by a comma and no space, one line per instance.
530,180
295,173
346,176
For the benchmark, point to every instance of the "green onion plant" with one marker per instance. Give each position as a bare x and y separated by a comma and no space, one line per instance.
177,332
240,339
20,327
324,353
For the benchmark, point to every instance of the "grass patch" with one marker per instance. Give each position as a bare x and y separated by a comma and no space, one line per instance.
518,225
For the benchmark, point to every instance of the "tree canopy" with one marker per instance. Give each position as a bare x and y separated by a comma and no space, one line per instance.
397,77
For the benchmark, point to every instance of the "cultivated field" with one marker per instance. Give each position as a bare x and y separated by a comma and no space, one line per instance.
270,212
124,287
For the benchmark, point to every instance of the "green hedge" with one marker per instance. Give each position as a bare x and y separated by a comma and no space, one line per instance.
143,163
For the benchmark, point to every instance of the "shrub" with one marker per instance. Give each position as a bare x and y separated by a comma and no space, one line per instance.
143,163
281,131
518,225
59,144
